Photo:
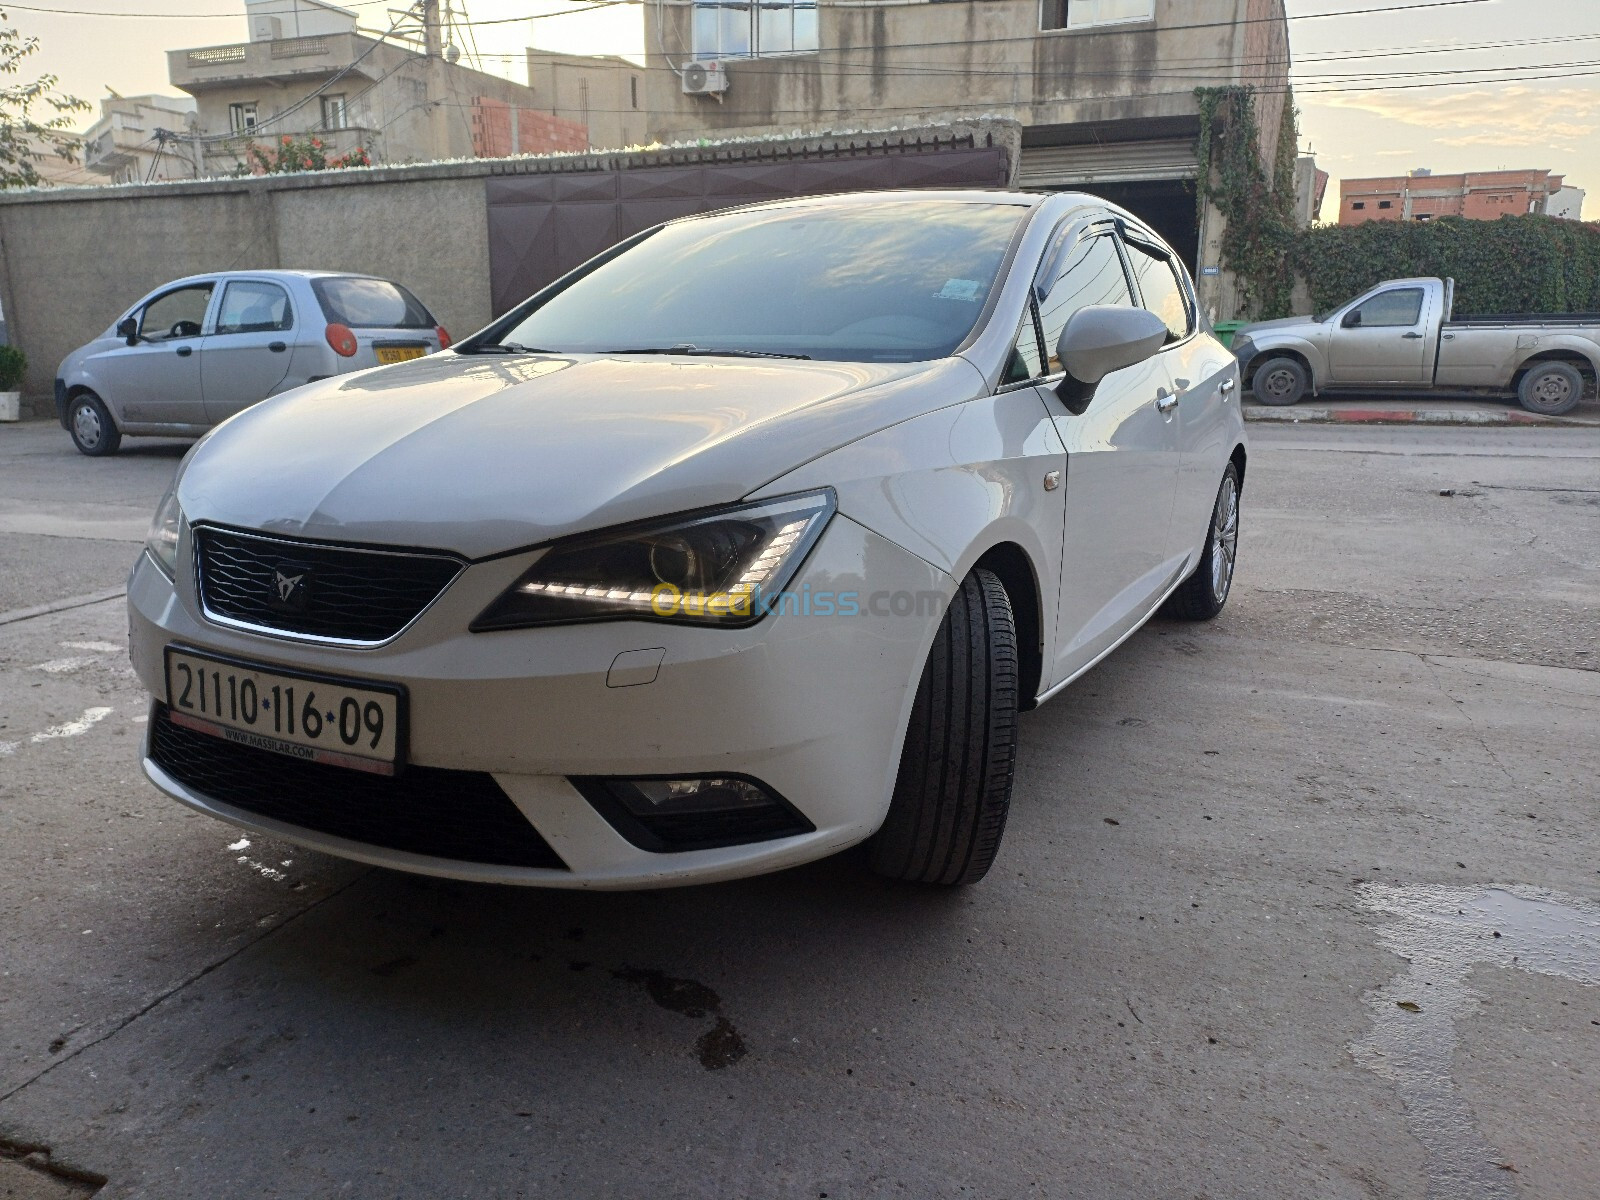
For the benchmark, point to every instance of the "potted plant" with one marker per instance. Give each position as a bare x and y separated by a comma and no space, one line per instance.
13,363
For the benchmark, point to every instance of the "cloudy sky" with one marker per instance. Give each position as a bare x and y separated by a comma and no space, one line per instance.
1523,76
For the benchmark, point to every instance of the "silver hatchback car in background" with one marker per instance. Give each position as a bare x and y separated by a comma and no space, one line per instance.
197,350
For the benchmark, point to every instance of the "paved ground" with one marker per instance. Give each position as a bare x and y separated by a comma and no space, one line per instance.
1415,408
1299,904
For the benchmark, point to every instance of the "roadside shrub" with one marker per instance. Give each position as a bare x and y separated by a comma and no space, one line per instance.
13,363
1533,264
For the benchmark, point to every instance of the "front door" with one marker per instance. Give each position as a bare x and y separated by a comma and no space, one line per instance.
157,381
1122,473
1384,339
247,353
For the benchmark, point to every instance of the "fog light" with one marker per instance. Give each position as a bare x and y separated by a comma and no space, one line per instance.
671,815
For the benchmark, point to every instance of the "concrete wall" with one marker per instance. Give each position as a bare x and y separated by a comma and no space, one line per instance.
73,259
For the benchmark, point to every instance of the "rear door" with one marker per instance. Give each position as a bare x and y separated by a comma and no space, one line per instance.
1122,466
157,381
1384,339
246,353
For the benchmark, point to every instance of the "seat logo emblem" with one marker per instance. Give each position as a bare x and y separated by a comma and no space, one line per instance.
291,588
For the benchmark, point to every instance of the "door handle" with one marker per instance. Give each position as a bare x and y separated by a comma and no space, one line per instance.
277,347
1165,403
185,351
1227,386
1412,337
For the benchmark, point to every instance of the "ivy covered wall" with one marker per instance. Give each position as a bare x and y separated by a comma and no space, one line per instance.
1515,264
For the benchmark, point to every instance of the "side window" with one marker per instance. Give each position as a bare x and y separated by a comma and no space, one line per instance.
1163,294
1026,361
1092,275
178,314
1395,309
251,306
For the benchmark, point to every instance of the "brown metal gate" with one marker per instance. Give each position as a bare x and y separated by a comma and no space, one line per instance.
543,225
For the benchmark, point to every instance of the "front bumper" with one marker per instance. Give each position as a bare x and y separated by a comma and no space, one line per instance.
813,706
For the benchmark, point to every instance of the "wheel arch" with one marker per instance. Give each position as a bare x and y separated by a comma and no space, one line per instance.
1301,352
1011,564
1587,366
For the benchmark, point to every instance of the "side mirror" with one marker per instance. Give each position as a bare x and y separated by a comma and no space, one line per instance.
1352,319
1101,339
128,330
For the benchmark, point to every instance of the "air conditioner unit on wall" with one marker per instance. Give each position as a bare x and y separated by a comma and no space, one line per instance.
704,79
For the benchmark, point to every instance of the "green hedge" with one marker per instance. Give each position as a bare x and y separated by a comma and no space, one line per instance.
1515,264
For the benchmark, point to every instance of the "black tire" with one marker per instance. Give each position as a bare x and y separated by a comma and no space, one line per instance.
954,787
1204,594
1551,389
92,429
1281,382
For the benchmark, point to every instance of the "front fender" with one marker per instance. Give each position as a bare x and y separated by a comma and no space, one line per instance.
1269,344
951,485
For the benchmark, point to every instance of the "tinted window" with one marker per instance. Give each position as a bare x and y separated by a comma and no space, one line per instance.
1163,294
177,314
370,303
1026,362
1093,275
861,282
1392,310
252,307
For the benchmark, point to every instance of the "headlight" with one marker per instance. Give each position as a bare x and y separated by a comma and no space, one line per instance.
164,532
720,568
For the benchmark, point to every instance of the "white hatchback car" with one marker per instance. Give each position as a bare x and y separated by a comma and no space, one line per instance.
741,544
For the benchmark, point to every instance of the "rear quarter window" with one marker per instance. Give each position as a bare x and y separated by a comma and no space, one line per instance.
370,304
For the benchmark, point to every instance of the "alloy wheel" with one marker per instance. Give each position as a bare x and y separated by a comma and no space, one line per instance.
1224,539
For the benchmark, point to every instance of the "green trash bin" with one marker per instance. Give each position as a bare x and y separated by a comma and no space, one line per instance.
1226,330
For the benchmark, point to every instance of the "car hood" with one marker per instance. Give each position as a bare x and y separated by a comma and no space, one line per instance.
480,454
1283,323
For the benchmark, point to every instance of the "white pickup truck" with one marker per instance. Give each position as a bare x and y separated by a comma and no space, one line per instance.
1400,335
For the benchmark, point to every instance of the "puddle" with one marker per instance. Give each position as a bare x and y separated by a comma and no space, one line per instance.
1444,933
719,1047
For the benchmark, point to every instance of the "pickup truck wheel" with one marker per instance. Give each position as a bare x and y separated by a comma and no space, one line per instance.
93,431
1551,389
1203,594
1280,382
953,791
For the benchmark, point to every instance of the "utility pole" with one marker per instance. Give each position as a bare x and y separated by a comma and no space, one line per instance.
433,68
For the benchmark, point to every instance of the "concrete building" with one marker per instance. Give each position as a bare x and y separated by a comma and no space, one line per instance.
1104,89
1566,202
130,143
59,170
1310,191
308,71
1423,196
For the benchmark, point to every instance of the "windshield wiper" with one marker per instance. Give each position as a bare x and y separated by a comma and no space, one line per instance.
502,348
703,352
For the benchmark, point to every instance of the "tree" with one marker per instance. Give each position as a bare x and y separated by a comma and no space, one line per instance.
24,138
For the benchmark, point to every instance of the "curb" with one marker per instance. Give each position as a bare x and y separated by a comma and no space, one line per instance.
1296,415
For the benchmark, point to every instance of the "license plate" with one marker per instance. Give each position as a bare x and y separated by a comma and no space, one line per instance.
394,354
342,723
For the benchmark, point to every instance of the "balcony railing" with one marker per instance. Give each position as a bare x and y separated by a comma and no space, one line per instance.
299,47
213,56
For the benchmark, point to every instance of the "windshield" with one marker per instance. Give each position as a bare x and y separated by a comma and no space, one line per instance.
895,281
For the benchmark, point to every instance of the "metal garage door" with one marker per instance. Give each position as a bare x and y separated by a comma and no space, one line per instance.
1106,162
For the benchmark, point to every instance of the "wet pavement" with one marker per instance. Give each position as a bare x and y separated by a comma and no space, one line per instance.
1241,939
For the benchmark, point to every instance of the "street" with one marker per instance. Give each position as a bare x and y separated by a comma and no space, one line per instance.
1303,903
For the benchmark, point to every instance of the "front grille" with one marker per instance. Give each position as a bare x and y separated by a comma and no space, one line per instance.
459,815
350,595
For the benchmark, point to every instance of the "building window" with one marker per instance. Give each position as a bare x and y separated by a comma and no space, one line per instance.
242,117
633,89
333,113
752,28
1359,205
1424,216
1087,14
1385,203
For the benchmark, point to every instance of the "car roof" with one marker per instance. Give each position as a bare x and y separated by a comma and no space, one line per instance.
270,273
